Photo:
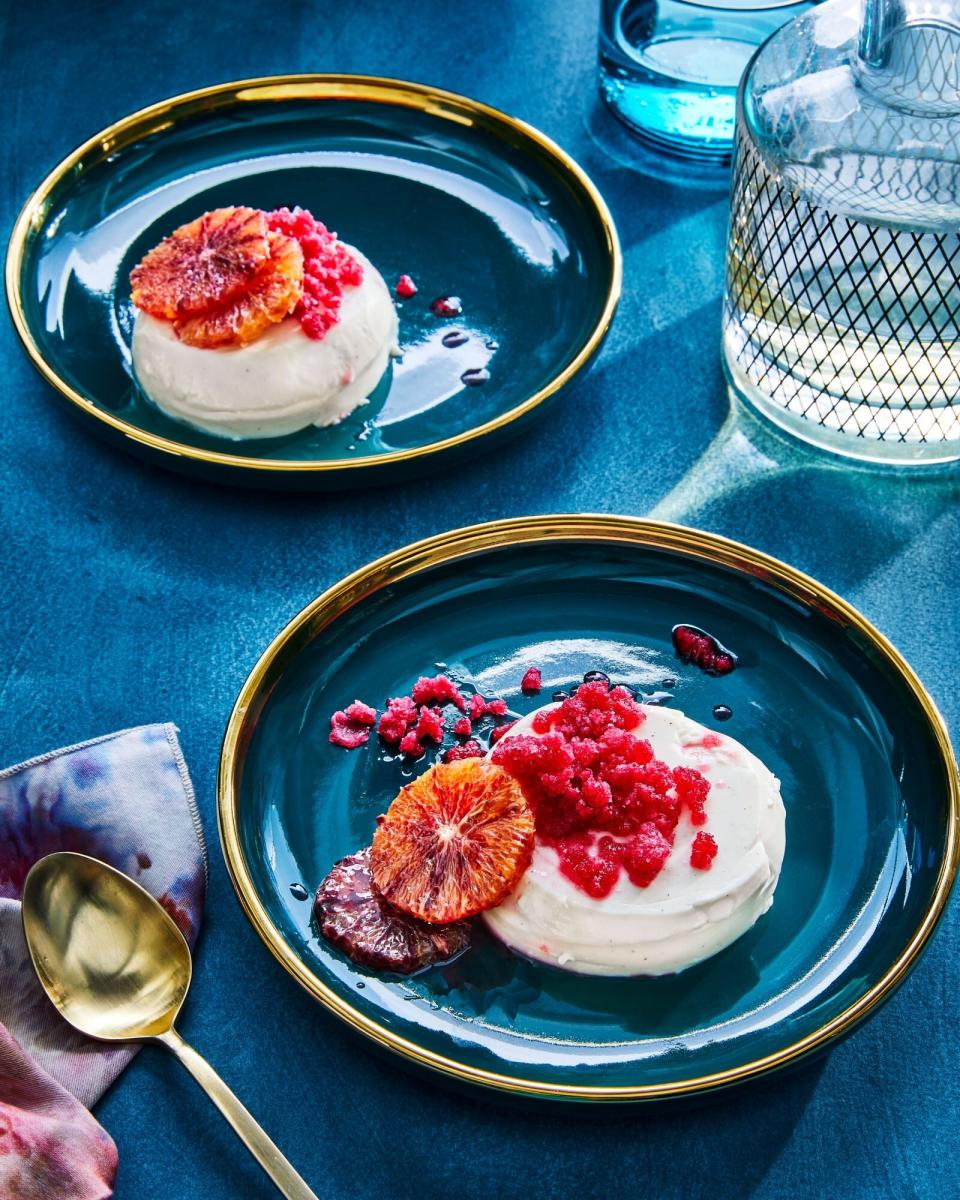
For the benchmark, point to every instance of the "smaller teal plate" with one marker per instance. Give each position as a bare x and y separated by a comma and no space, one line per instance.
465,199
869,783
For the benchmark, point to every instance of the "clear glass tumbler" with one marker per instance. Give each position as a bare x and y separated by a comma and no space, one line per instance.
669,69
842,306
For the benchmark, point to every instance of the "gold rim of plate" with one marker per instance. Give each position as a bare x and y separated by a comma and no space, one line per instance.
444,105
443,548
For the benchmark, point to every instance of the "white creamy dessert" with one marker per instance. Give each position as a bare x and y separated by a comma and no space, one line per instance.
685,915
283,381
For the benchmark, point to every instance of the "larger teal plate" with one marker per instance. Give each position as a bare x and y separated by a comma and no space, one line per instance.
869,782
464,198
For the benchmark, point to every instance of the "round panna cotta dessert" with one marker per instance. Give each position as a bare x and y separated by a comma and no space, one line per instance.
255,325
680,856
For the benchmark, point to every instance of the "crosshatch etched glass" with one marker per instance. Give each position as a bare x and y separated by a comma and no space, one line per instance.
842,304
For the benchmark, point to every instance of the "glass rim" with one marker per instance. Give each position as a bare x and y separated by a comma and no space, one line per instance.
731,6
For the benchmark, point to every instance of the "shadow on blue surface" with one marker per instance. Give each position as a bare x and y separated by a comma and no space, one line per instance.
864,517
352,1114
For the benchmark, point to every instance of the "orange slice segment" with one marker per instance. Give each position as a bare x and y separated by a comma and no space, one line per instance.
271,295
202,264
454,842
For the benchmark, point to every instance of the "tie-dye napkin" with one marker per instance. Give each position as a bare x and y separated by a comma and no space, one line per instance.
126,799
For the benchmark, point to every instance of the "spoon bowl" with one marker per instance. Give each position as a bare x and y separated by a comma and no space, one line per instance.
106,953
117,968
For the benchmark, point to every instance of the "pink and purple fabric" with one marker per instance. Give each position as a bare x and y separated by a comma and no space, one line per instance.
126,799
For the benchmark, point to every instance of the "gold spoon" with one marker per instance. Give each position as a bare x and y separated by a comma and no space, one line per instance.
118,969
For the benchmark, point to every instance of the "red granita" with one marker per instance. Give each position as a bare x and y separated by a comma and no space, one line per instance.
411,745
430,724
479,708
596,868
328,268
596,707
438,690
409,721
405,287
587,773
400,715
693,645
469,749
544,767
594,874
692,790
703,852
645,854
541,722
350,727
497,733
532,681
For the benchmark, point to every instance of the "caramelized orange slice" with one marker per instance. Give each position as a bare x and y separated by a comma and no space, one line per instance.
455,842
203,264
353,915
272,294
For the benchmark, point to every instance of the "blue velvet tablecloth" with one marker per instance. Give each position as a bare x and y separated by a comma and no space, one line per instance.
132,595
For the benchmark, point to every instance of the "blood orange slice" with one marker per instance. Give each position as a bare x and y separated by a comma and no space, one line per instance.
353,915
454,842
203,264
272,294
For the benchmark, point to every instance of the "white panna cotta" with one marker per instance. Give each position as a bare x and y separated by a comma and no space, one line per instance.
685,915
283,381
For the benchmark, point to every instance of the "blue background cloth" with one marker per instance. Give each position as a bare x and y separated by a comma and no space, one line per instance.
132,595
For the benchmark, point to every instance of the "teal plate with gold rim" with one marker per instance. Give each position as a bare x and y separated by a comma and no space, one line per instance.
465,199
868,776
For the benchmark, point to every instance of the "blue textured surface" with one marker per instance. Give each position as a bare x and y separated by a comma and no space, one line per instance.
132,595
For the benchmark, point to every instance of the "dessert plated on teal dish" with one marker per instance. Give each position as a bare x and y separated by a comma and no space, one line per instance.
487,266
705,816
253,324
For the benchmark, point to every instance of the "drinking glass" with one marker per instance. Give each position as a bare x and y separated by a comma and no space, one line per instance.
669,69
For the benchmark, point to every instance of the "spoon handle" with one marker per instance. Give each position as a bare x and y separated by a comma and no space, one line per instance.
246,1128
